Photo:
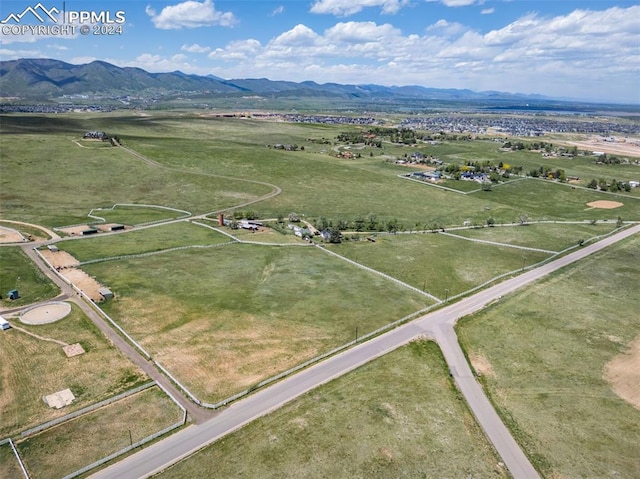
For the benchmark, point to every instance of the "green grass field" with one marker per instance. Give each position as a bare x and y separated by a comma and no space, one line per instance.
146,240
75,444
549,236
33,368
544,200
548,347
18,272
195,150
9,467
134,215
223,319
437,263
398,416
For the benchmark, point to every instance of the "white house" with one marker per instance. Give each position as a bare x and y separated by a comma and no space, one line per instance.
4,324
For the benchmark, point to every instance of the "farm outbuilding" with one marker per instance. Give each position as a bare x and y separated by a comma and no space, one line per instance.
13,295
106,293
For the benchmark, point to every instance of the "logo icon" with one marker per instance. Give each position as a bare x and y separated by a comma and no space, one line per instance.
39,11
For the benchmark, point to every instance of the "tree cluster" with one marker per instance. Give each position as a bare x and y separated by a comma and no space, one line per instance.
548,172
613,186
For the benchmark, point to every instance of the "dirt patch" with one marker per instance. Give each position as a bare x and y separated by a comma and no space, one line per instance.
619,146
60,399
59,259
85,283
481,365
605,204
73,350
46,313
8,235
623,374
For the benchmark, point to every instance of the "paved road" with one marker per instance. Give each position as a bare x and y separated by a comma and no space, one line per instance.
437,325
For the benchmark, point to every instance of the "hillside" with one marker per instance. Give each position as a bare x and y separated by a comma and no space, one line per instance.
48,78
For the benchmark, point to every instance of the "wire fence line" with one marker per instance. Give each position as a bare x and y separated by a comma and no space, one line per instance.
86,410
89,409
153,253
379,273
122,451
94,305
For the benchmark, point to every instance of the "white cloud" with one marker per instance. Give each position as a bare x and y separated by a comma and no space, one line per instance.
190,14
300,35
195,48
238,50
446,29
582,53
8,54
349,7
458,3
278,11
487,11
157,63
355,32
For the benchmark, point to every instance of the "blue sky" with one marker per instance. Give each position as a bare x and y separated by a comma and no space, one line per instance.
581,49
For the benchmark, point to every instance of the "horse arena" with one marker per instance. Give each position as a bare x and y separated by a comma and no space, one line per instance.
67,266
46,313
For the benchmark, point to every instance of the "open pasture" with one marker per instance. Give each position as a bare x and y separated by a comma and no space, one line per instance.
438,264
545,200
156,238
75,444
202,164
9,467
223,319
135,215
549,236
18,272
67,181
33,368
398,416
543,353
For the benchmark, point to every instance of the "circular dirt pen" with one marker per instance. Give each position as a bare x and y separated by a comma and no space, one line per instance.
46,313
605,204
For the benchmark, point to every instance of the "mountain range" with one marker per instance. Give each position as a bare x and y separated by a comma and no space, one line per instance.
43,79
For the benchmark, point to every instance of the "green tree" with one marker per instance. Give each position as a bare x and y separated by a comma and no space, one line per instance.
372,222
335,236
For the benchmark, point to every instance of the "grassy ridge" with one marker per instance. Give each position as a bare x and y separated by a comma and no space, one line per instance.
548,346
398,416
